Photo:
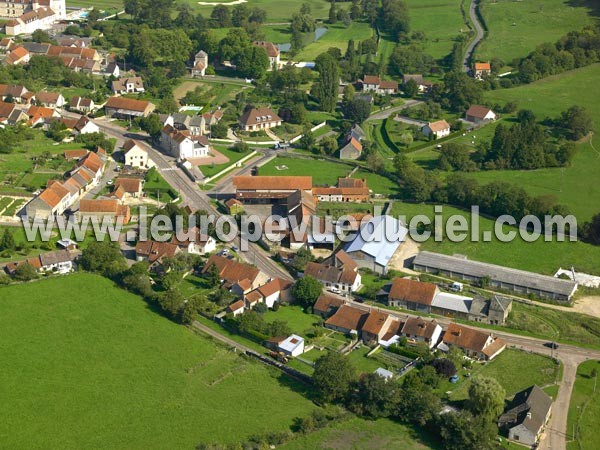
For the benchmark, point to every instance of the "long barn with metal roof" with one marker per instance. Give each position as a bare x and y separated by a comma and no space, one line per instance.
505,278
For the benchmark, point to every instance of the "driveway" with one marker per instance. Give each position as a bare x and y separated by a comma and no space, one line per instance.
388,112
478,38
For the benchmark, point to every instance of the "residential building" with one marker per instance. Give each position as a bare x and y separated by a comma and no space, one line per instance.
272,53
438,129
372,83
351,147
50,99
376,242
135,155
16,93
16,8
103,209
269,189
236,308
480,114
256,119
200,64
474,343
38,115
58,261
482,69
413,295
84,125
126,108
276,290
514,280
292,346
18,56
84,105
128,187
326,305
182,145
417,329
155,252
526,416
422,84
195,242
343,279
347,320
37,18
234,206
234,273
376,326
128,85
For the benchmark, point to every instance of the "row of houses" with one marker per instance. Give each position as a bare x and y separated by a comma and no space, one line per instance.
26,16
61,195
375,326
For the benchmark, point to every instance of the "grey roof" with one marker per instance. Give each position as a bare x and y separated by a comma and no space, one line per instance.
56,257
499,303
529,408
480,307
34,47
452,302
379,238
502,274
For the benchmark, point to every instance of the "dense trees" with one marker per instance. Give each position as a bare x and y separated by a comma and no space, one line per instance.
577,122
410,59
326,88
333,377
393,17
590,232
575,49
104,258
373,396
7,242
357,110
306,291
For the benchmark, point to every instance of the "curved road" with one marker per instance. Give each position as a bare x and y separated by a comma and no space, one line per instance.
478,38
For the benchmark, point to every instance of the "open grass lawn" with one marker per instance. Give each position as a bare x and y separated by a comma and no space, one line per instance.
517,28
213,169
157,188
107,5
276,11
325,172
362,363
88,365
539,256
514,370
584,409
363,434
440,20
337,36
300,322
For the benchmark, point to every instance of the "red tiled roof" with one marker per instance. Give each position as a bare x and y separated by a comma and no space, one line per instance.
273,183
438,126
348,317
412,291
127,104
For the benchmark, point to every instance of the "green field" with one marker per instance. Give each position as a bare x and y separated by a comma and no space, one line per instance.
518,27
549,97
325,172
584,409
362,434
337,36
100,369
539,256
276,11
440,20
298,321
514,370
213,169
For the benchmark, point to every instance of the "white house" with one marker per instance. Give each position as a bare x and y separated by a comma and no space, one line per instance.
85,105
39,18
135,155
182,145
129,85
200,64
372,83
418,329
195,242
236,308
439,129
255,119
60,261
85,126
345,279
479,114
292,345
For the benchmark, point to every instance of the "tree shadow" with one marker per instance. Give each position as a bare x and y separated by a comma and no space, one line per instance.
593,6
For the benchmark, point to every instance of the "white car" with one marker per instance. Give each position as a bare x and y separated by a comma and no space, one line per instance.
334,290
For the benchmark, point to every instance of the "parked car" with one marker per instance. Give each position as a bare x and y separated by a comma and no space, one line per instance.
334,290
552,345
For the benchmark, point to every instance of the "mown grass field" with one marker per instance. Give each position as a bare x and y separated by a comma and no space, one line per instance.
337,36
516,28
539,256
276,11
363,434
440,20
513,369
325,172
584,409
88,365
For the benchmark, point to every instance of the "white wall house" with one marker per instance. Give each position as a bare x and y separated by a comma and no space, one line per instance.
439,129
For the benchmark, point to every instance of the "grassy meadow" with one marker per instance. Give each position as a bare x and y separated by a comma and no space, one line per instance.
518,27
440,20
584,409
88,365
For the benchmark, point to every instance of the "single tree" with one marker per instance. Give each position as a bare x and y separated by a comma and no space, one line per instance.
333,376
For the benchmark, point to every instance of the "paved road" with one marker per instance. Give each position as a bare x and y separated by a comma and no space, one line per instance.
388,112
478,38
409,121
